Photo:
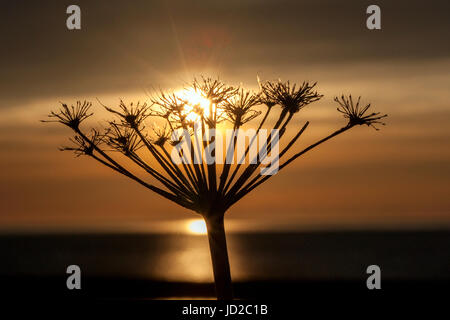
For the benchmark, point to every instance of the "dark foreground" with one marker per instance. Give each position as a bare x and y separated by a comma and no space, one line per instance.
119,298
120,289
289,272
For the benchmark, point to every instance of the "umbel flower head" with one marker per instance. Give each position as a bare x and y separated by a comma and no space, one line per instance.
264,98
214,90
239,107
162,135
289,97
133,115
71,116
217,93
356,114
122,139
83,147
172,109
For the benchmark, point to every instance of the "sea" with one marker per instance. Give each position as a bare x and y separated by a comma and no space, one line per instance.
169,265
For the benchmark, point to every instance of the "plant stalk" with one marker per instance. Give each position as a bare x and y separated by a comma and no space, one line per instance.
219,256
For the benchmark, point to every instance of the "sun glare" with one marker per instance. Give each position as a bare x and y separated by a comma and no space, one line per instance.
196,226
195,100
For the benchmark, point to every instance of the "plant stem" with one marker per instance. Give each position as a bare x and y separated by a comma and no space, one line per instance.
219,256
251,186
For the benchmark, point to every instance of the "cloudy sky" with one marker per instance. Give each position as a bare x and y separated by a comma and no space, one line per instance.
398,176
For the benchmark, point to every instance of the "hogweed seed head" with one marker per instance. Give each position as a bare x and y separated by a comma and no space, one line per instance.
83,147
239,107
356,114
71,116
162,135
131,116
289,97
213,89
122,139
172,108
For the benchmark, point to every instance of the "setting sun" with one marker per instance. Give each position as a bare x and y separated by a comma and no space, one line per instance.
195,100
197,226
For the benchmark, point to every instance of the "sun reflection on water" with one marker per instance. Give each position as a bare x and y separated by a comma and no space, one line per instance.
197,226
184,254
186,258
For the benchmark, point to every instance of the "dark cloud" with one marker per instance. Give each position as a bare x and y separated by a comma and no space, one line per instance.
131,45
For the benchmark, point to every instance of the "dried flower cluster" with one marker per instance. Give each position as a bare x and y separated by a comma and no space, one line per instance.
196,185
209,189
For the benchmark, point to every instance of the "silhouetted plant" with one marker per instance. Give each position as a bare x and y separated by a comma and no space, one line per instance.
208,189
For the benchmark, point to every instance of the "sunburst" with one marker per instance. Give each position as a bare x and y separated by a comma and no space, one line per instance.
197,104
197,226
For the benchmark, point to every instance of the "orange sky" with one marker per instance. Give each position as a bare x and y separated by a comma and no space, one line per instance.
398,176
